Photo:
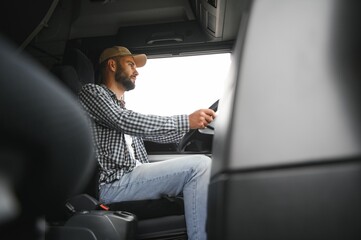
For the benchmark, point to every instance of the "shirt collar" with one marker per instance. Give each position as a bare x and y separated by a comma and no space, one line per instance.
113,96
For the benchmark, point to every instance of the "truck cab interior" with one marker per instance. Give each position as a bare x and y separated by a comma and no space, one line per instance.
286,142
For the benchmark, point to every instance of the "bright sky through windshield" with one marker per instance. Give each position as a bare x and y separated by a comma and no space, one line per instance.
178,85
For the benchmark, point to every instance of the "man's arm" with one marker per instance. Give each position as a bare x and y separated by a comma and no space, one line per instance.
104,111
198,119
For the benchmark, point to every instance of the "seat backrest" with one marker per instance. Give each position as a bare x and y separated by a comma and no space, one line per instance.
46,141
75,71
286,156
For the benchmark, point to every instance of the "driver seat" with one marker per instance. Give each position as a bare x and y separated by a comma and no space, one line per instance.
161,218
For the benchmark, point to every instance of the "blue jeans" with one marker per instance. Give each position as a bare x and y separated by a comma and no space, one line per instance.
188,175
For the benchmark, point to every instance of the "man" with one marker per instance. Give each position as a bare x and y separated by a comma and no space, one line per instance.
126,173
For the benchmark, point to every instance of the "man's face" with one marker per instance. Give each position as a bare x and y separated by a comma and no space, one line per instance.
126,72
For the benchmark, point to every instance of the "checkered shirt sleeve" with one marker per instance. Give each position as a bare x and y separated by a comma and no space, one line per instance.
103,110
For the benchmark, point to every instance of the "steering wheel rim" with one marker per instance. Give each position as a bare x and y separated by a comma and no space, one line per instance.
186,140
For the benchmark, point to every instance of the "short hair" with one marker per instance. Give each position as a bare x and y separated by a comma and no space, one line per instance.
103,67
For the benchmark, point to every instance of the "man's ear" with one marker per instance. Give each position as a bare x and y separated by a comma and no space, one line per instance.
112,65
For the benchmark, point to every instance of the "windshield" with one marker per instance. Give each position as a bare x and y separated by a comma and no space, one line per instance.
179,85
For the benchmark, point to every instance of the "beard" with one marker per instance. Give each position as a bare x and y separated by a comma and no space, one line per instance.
120,77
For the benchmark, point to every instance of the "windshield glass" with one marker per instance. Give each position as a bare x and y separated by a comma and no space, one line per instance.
179,85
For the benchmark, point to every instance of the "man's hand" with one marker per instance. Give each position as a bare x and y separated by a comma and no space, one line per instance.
201,118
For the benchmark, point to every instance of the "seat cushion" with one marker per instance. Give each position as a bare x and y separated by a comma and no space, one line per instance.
146,209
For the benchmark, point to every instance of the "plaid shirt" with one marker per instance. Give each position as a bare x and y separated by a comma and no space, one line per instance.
111,120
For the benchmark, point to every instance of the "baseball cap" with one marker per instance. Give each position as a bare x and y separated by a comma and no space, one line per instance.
139,59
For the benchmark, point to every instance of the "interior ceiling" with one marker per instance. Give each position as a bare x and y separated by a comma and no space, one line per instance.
102,19
88,18
83,18
19,22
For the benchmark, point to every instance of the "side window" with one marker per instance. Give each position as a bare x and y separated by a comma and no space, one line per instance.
178,85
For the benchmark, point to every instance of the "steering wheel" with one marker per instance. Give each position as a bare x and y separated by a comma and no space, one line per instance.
190,135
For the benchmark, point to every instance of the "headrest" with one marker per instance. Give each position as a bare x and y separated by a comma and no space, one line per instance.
81,63
68,76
